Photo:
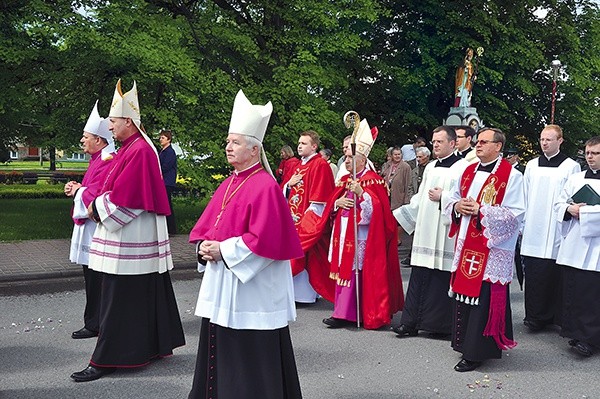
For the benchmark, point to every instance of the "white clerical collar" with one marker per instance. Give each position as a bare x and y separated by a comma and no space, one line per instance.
446,157
237,172
489,163
308,158
551,156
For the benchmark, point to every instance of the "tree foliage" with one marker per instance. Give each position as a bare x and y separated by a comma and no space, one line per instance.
393,62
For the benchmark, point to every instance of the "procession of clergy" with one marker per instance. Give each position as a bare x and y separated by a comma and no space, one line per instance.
264,247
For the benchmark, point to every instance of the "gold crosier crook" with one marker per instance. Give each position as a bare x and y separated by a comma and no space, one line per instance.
352,119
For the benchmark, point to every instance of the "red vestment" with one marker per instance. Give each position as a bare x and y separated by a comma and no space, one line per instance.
286,170
382,291
316,186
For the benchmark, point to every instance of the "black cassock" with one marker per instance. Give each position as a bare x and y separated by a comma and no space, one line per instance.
245,364
469,323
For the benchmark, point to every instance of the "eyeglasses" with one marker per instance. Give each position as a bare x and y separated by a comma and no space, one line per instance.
484,142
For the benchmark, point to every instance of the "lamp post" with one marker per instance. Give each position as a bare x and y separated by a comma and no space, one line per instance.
555,68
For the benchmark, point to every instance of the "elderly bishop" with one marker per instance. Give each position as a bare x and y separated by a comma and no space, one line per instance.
245,239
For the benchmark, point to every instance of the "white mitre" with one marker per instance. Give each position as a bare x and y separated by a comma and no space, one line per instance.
98,126
251,120
93,121
126,105
248,119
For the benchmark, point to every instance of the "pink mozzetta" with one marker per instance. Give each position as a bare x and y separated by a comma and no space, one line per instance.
134,179
93,180
250,205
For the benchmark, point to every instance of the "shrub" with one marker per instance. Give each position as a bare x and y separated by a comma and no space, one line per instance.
31,191
74,176
58,178
12,177
30,178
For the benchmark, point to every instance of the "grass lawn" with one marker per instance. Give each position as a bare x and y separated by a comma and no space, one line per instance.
33,219
35,165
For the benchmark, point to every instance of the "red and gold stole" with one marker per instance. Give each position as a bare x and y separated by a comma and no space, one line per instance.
467,278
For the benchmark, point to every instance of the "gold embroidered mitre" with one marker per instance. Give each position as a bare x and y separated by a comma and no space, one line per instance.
126,105
365,138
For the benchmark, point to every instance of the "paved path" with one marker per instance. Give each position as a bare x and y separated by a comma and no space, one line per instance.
43,259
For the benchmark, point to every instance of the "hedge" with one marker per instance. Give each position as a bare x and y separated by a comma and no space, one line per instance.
31,191
31,177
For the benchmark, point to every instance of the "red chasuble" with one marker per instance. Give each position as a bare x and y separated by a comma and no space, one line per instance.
250,205
134,178
287,168
316,186
382,291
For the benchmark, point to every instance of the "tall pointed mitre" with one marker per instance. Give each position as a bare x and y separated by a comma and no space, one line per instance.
251,120
99,126
93,122
365,138
126,105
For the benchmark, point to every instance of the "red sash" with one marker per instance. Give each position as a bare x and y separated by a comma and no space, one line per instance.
467,278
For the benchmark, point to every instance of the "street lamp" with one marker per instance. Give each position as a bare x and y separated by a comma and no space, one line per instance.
555,68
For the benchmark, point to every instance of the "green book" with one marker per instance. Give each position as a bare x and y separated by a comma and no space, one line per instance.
586,194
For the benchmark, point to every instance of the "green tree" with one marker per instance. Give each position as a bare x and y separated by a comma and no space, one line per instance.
392,62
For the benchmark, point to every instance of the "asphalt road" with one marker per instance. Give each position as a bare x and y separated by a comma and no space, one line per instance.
37,356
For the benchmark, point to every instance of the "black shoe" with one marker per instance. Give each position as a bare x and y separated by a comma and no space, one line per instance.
84,333
534,326
405,331
91,373
584,349
466,365
332,322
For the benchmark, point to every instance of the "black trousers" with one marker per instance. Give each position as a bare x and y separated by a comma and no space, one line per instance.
93,289
171,225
